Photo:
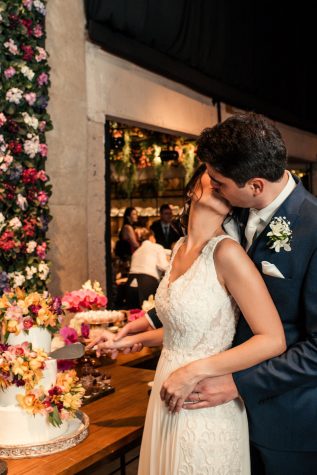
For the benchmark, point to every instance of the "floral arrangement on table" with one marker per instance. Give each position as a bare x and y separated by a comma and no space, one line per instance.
89,297
20,365
24,188
20,311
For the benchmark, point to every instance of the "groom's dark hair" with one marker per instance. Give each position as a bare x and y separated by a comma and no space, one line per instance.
244,146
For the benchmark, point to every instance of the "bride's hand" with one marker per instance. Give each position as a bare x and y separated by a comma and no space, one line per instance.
177,387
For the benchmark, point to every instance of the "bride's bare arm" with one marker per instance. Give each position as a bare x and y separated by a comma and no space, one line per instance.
147,338
240,277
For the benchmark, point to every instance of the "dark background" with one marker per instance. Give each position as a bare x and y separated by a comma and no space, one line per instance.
247,53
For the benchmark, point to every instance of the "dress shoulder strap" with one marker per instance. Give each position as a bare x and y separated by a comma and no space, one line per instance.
210,247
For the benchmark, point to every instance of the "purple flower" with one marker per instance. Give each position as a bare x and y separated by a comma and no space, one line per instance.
57,305
3,347
65,365
4,282
42,79
85,329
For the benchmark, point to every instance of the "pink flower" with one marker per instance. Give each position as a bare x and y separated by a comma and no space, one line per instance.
28,4
42,79
69,335
41,251
9,72
43,149
41,54
42,125
30,98
3,119
42,197
37,31
135,313
41,175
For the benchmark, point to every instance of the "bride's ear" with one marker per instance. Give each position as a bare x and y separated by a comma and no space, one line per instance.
256,186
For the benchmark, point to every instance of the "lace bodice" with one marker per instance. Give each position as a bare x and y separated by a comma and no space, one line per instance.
198,315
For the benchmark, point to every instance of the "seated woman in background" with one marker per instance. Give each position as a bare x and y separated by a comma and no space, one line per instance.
128,241
148,263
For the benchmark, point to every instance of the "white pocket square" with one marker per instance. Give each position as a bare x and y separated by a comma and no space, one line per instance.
271,269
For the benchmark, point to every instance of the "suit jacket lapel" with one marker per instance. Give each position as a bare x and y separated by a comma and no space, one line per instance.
288,209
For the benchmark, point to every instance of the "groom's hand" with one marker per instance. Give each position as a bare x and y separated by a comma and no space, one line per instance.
212,392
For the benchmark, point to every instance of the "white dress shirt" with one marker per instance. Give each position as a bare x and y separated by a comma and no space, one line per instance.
150,258
266,214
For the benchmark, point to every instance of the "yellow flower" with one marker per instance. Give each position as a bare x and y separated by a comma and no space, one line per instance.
12,326
71,401
33,299
4,302
30,403
36,363
19,366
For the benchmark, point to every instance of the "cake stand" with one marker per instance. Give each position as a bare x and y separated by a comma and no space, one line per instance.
76,433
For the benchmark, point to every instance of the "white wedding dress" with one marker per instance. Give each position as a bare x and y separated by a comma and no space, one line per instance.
199,319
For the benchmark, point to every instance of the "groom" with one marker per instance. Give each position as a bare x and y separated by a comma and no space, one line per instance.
246,161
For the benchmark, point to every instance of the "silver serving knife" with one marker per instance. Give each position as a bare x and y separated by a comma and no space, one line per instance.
68,352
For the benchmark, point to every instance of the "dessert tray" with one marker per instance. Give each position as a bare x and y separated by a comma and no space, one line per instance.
76,433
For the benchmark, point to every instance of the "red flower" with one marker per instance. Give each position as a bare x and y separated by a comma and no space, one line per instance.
29,175
6,241
16,147
28,52
27,323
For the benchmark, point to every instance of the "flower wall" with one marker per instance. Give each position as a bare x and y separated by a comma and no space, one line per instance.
24,187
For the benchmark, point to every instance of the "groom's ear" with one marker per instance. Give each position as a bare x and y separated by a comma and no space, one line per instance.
256,186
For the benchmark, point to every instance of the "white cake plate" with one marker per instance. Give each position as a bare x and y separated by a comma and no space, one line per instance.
76,433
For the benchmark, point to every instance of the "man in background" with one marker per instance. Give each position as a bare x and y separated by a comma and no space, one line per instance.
164,231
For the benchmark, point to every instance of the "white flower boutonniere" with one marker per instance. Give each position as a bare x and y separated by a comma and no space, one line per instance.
280,235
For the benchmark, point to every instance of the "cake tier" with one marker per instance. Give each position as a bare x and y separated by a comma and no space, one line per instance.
38,336
18,427
8,396
96,317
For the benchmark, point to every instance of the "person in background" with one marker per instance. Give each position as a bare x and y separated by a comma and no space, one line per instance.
164,231
128,241
148,263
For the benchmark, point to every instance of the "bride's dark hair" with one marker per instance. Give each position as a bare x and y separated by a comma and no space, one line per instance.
188,193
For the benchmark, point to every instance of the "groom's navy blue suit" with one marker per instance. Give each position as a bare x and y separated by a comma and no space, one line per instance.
281,394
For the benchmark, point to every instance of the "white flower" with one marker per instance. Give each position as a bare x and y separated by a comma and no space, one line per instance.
27,72
31,245
32,146
22,202
31,121
17,278
14,95
30,271
39,6
15,223
280,235
43,270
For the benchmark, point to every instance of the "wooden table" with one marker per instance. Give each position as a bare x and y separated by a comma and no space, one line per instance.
115,422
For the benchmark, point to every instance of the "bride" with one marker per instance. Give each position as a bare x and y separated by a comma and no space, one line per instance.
209,275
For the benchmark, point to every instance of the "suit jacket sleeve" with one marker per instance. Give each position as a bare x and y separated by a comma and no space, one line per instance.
154,320
297,367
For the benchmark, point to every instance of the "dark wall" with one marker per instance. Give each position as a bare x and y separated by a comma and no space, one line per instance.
250,54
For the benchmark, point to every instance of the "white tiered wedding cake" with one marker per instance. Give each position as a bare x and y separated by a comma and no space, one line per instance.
36,402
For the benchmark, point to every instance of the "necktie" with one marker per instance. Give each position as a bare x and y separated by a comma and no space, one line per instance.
166,231
251,227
